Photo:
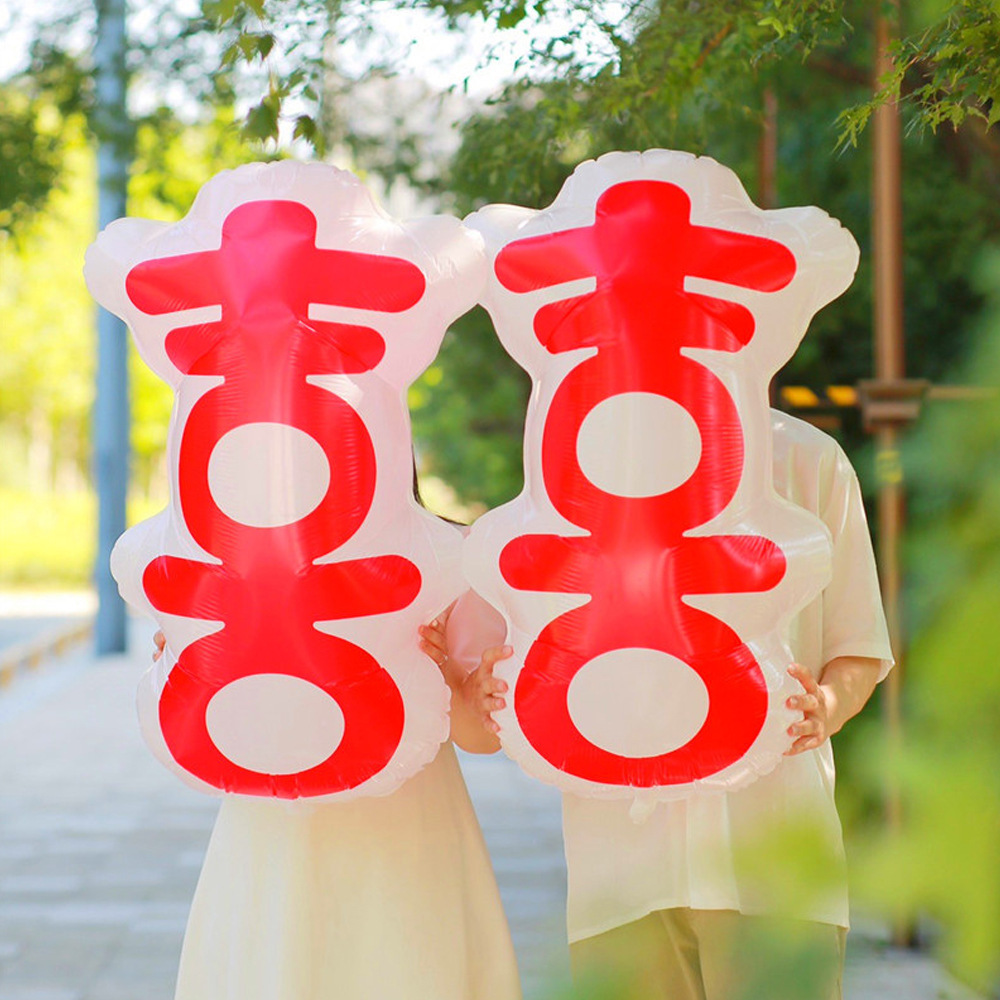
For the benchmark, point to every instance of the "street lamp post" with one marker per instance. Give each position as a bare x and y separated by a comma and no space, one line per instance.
111,409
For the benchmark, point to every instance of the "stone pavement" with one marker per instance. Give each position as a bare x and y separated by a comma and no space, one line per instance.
100,849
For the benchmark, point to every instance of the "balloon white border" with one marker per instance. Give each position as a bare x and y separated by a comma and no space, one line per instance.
826,258
348,218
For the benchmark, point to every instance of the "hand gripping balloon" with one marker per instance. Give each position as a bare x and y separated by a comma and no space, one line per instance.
292,566
648,567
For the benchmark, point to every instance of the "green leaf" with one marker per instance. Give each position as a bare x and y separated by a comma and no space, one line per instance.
775,23
261,122
512,16
306,129
219,11
231,55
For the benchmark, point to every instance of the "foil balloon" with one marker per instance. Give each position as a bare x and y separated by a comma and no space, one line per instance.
648,568
292,566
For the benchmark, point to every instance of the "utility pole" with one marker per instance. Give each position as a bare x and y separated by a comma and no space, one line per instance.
111,406
890,401
767,151
767,177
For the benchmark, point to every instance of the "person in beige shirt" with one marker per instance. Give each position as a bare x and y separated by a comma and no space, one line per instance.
688,904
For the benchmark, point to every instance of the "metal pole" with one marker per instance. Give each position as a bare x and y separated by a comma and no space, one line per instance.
887,207
767,152
887,239
767,178
111,409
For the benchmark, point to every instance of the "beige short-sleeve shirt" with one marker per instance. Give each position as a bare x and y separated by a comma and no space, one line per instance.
702,852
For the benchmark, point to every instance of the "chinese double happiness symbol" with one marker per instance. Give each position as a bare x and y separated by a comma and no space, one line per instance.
648,567
292,567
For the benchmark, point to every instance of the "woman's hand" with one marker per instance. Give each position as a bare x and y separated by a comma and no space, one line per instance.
159,640
814,727
434,643
482,692
475,694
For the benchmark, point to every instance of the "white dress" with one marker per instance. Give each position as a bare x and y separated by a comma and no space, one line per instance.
390,897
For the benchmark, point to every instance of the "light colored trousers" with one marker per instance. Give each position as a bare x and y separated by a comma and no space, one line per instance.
682,954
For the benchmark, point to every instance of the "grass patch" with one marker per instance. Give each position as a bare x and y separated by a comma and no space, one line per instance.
49,539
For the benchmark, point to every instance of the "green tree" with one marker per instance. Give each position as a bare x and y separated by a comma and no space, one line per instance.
46,345
30,150
658,52
47,337
513,153
468,414
944,861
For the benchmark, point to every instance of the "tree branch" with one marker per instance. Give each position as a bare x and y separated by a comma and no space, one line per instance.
713,43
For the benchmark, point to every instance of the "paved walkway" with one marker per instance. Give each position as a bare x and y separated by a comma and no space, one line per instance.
26,615
100,849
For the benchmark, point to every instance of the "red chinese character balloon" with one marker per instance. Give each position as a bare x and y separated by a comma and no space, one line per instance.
292,567
648,567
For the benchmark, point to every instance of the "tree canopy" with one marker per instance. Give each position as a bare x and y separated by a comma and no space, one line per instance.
521,148
46,315
663,54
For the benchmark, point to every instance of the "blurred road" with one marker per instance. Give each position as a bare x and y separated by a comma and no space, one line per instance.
100,849
25,615
18,629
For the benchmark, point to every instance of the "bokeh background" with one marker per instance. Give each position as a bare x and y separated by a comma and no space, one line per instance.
444,105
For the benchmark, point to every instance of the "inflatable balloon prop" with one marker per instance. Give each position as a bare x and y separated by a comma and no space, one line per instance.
648,567
293,565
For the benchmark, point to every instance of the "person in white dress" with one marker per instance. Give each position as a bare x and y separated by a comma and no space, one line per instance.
388,897
676,907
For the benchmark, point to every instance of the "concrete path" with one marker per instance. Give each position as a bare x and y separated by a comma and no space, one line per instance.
26,615
100,849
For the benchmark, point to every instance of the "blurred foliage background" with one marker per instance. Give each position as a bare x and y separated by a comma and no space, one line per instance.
221,82
48,342
945,861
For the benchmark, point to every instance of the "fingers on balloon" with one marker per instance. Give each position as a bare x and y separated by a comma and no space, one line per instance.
803,703
804,677
433,643
492,655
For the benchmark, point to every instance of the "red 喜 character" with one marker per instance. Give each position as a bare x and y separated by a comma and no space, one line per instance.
636,557
638,313
265,586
